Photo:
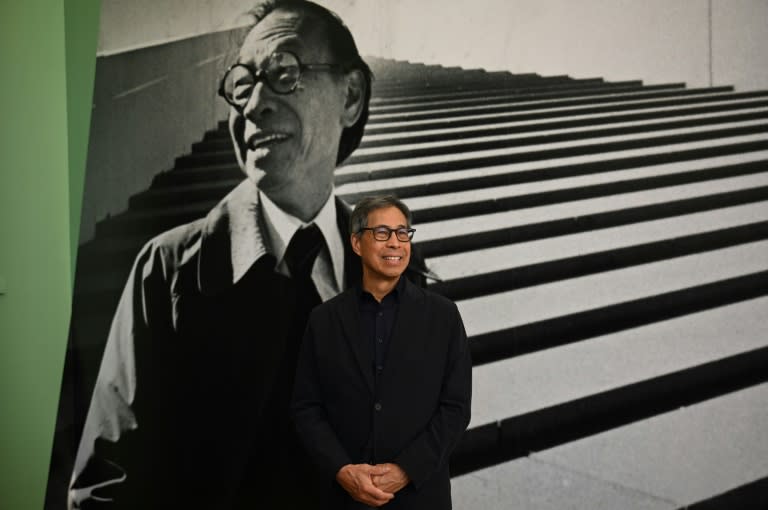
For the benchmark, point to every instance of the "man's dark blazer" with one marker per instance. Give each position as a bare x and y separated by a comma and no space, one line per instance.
194,388
413,414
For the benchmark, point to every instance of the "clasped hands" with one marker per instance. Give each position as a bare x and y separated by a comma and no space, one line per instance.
372,485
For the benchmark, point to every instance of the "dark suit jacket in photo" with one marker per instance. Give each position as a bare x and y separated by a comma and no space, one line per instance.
191,405
413,414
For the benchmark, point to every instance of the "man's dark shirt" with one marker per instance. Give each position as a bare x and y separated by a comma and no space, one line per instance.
376,323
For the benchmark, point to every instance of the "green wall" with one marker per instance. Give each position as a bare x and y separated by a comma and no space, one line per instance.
47,55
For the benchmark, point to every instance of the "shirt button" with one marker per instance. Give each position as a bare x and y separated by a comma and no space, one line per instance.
377,406
381,314
379,340
379,368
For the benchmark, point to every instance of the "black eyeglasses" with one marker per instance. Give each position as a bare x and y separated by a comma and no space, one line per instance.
282,75
383,233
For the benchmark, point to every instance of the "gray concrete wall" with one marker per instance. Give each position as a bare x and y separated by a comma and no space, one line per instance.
740,43
149,106
131,24
656,40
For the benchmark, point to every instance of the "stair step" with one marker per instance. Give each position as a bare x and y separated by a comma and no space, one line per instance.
465,228
509,187
377,101
460,100
548,110
622,293
152,221
429,82
534,151
553,137
225,157
441,76
693,435
165,195
590,124
192,175
520,265
434,96
496,161
668,461
542,101
621,390
525,384
529,484
403,71
557,123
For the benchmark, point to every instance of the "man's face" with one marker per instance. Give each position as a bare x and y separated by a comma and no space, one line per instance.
282,140
383,259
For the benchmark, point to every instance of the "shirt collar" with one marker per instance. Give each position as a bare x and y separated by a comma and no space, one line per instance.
231,240
281,226
393,296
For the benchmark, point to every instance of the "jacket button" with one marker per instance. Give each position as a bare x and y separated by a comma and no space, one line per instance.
377,406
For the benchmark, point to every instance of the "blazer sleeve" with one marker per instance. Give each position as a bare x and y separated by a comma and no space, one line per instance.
430,450
309,415
105,471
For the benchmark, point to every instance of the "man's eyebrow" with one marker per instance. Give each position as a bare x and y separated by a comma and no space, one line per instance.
292,45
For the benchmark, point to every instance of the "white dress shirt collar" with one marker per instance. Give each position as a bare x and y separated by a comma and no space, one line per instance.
281,226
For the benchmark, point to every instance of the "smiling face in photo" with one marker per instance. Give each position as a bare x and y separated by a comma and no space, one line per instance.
285,139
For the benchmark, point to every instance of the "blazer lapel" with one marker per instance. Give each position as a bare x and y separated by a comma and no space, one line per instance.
353,267
350,320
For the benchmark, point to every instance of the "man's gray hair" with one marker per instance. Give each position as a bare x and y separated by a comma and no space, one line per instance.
359,219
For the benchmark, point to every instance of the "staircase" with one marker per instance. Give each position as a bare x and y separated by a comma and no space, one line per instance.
607,246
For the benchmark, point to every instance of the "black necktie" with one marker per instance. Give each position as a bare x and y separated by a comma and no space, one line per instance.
300,256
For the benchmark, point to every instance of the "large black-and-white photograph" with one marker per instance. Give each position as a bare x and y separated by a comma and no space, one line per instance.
587,182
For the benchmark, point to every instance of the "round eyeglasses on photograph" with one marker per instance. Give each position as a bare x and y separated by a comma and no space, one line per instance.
383,233
282,75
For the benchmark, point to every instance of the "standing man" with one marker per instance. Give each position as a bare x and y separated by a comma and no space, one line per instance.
191,405
383,384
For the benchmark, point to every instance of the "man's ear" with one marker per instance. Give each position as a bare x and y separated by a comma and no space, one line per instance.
355,240
355,88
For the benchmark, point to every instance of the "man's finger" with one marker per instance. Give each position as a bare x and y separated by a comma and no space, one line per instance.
377,493
374,497
370,500
378,470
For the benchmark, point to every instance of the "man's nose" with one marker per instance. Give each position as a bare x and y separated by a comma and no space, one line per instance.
260,103
393,241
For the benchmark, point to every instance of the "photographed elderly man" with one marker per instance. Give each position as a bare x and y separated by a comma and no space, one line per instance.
383,383
191,405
